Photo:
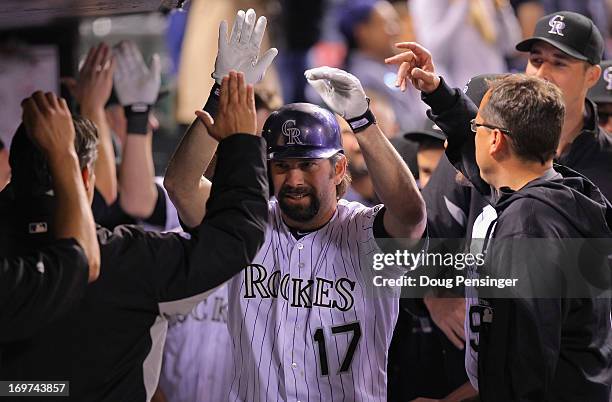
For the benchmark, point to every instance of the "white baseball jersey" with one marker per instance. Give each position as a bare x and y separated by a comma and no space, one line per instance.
477,310
305,320
197,353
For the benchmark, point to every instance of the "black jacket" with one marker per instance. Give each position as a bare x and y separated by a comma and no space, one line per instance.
590,154
39,287
533,348
110,346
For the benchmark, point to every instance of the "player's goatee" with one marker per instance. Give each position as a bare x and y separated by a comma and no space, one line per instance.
300,213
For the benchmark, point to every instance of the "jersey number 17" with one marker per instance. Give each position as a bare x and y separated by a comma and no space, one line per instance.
319,337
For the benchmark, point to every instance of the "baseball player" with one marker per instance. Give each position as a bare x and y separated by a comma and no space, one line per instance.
306,322
39,287
197,360
201,337
109,346
601,94
430,141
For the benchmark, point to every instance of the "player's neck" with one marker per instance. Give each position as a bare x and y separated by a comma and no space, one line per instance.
572,127
320,220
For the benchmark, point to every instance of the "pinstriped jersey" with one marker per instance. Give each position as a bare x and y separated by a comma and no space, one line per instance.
306,322
193,342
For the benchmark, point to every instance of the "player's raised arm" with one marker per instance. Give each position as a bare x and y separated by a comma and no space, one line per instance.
239,51
40,286
92,90
394,183
451,109
49,123
137,87
234,226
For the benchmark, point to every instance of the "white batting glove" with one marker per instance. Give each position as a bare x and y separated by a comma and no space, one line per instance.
241,51
135,82
343,93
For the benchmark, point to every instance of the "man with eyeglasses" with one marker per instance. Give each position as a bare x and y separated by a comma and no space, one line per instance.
566,49
549,338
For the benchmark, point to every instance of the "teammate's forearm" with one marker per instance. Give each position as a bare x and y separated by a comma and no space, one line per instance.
191,157
393,182
462,394
73,216
137,176
183,180
106,172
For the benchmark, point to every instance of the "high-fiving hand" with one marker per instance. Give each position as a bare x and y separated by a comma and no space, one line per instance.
237,114
340,90
95,82
135,82
415,65
240,52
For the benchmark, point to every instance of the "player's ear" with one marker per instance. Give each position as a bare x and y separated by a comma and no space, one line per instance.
340,169
592,75
87,176
499,144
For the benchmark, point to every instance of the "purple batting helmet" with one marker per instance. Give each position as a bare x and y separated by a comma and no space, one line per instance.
302,131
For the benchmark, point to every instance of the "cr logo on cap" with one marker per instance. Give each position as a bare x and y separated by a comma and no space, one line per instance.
291,132
607,76
556,25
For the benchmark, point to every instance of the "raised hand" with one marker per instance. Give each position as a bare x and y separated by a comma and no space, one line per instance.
135,82
237,114
95,82
240,52
340,90
415,65
48,123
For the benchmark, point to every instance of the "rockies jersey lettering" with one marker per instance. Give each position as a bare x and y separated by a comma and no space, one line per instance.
213,308
194,341
305,320
300,292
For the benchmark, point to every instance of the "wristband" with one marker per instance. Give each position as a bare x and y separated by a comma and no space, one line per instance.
362,122
212,104
137,116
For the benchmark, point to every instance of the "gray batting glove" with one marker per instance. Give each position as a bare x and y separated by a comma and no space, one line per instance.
241,51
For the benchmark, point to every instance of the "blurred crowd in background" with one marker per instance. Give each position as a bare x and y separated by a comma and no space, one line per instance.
468,37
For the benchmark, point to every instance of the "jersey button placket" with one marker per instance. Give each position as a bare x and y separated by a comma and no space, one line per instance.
290,365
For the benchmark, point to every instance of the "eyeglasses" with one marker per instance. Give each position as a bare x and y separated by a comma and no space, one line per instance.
474,126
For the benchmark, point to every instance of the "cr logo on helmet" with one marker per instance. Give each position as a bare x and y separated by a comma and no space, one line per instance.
291,132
